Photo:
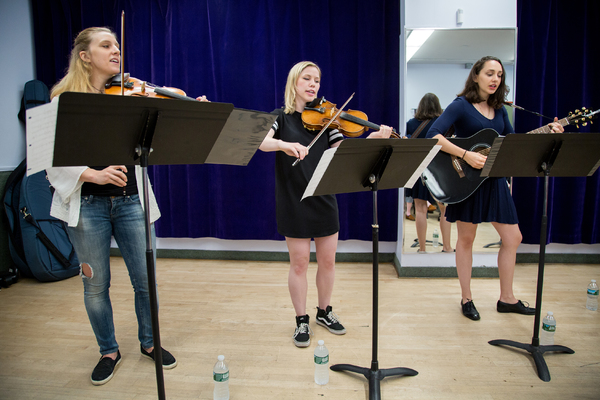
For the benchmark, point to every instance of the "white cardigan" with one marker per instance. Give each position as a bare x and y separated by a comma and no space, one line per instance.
67,185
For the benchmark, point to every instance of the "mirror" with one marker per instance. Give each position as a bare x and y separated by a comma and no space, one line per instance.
441,66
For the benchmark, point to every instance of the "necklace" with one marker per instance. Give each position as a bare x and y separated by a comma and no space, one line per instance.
488,112
96,89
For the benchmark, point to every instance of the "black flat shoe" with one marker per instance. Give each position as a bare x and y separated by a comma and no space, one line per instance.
518,308
469,310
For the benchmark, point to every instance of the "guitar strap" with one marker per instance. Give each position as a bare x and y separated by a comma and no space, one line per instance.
419,129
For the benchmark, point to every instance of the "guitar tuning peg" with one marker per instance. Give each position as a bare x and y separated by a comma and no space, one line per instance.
584,124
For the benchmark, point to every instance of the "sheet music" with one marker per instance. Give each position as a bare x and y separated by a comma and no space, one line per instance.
40,129
432,153
319,172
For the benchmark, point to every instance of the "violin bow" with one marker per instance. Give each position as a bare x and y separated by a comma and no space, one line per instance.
337,114
122,54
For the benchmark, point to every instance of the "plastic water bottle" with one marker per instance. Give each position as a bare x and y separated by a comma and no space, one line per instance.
592,294
548,329
221,378
321,364
436,237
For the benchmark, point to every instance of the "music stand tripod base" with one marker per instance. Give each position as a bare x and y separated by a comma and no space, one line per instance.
537,352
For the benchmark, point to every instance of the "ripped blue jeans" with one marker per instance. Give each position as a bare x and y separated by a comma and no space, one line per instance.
100,218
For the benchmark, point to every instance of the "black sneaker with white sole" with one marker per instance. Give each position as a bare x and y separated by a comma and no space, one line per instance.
329,320
105,369
302,333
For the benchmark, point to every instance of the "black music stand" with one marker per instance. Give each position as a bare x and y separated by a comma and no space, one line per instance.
542,155
372,164
90,129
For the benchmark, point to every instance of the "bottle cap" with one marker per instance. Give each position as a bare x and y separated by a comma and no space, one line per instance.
550,313
220,358
593,280
321,342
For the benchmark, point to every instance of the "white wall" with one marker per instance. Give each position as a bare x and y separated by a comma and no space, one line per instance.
17,67
445,80
476,13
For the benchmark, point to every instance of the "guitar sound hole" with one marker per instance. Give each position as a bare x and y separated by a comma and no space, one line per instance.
481,149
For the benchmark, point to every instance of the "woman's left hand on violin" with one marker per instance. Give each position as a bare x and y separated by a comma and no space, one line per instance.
384,132
202,98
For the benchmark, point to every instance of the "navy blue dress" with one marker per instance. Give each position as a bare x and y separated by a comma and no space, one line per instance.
492,201
419,190
315,216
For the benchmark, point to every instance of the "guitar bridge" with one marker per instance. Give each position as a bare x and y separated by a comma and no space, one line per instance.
457,166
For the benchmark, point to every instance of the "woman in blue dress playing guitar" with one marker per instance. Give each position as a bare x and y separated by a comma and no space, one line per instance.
480,106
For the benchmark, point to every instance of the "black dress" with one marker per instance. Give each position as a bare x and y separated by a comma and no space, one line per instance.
315,216
419,190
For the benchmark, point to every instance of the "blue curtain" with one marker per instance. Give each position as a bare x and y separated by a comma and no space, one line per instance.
240,52
557,63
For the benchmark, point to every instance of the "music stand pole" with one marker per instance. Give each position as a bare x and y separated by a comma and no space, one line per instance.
374,375
143,151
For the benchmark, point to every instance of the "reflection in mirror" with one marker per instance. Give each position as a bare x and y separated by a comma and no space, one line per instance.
441,65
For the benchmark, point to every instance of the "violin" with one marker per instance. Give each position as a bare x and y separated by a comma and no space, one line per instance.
137,87
351,123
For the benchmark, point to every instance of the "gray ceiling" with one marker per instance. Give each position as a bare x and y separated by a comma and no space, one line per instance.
461,46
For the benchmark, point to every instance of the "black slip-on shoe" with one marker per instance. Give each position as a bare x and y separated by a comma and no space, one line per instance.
168,361
105,369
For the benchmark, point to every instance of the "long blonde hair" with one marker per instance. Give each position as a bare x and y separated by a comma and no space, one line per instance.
79,73
290,86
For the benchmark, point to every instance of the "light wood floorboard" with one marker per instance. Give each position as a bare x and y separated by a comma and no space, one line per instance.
242,310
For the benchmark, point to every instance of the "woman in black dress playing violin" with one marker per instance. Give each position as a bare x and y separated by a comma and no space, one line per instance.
315,217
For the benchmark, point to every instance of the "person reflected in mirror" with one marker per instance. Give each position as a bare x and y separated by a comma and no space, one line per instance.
480,105
428,111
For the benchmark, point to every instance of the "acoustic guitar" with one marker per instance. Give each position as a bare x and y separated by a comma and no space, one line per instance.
451,179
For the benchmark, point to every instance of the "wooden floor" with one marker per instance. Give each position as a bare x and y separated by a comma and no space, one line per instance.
243,310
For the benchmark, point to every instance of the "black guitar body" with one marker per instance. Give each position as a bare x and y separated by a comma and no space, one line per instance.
444,181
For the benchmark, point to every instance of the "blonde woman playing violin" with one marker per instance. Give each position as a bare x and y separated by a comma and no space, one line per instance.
100,202
314,217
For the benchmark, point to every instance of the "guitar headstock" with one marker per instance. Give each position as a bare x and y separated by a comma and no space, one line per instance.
582,117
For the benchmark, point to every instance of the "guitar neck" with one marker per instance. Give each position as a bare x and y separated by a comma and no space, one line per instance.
547,129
